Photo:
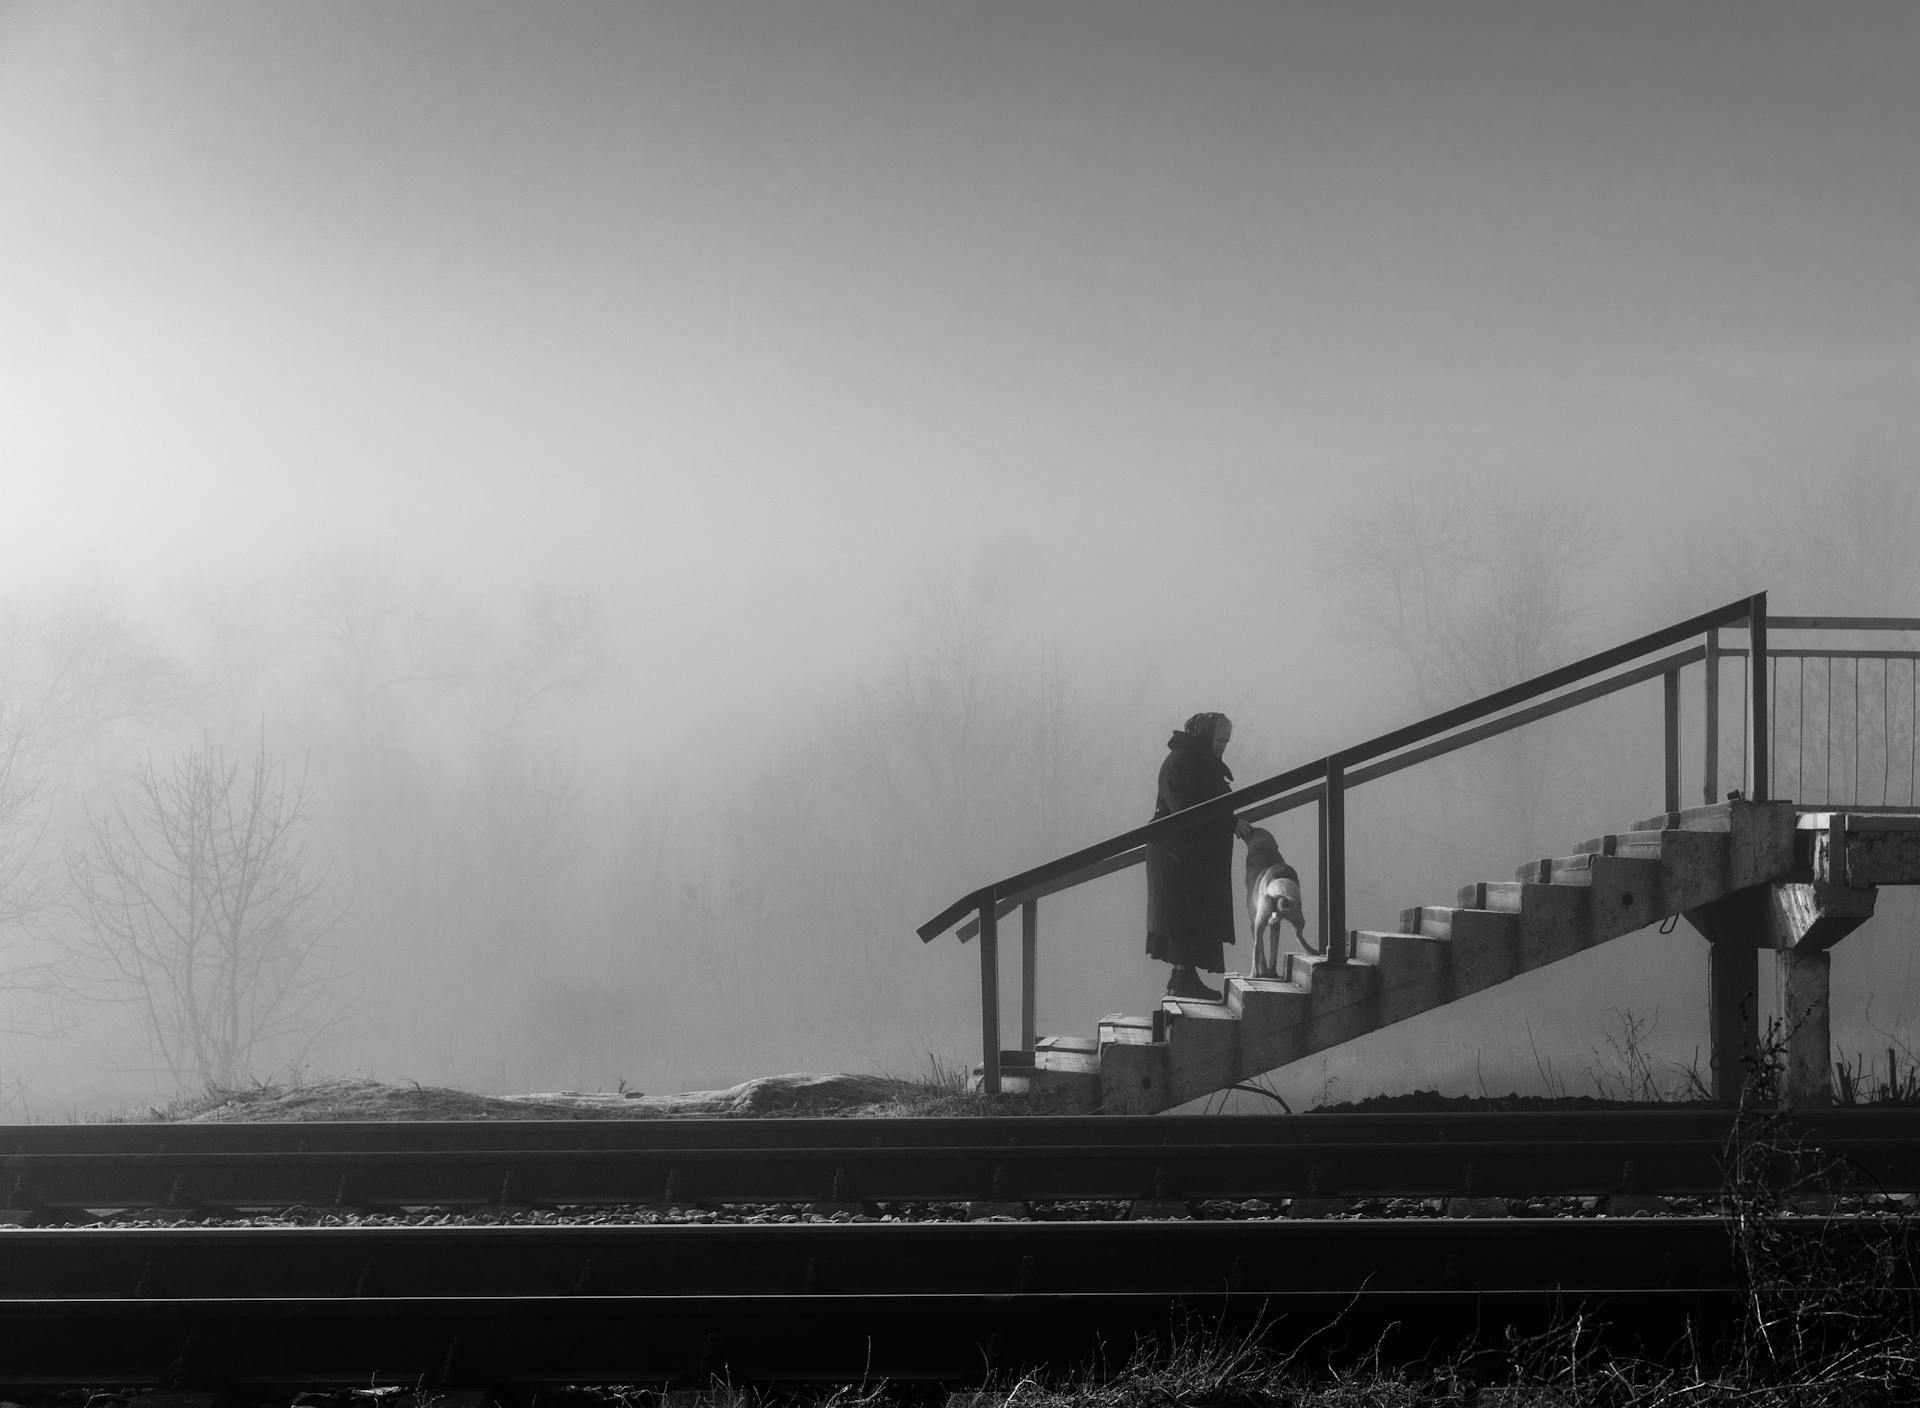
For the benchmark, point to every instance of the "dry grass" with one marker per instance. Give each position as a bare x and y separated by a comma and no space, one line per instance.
341,1098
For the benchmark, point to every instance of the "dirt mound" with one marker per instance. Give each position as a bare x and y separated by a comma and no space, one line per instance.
800,1093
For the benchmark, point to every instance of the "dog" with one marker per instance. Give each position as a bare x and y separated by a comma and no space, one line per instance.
1273,898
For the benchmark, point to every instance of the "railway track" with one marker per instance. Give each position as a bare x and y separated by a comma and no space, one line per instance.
869,1293
61,1173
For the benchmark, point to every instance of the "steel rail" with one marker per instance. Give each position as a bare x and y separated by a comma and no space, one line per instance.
985,1132
61,1187
680,1303
490,1342
898,1258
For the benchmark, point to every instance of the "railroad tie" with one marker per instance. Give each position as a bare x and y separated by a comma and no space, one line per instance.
840,1200
19,1210
177,1199
512,1196
1317,1202
673,1196
1472,1200
1001,1201
1161,1204
1629,1200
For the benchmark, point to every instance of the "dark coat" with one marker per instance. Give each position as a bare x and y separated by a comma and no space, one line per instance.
1190,913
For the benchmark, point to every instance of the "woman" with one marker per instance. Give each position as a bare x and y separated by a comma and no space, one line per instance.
1190,913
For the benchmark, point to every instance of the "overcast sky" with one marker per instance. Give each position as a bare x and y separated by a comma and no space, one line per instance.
741,313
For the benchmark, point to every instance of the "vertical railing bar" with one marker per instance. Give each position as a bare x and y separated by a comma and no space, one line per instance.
1757,668
1826,794
1029,966
1670,713
1854,800
1800,736
1745,675
1886,714
1913,721
1773,731
1333,863
989,995
1320,816
1711,751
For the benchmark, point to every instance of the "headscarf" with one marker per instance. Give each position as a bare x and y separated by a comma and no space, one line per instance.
1203,726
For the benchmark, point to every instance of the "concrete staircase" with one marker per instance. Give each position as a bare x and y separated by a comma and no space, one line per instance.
1495,930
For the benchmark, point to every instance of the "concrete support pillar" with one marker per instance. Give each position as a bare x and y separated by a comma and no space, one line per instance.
1733,1016
1736,927
1807,1083
1800,922
1808,920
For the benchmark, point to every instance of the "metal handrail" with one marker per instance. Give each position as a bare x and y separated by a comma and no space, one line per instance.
1306,773
1326,779
1666,664
1842,623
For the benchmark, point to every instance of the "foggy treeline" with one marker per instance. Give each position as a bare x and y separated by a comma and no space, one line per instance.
354,818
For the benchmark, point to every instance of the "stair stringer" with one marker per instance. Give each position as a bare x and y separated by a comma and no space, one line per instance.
1611,886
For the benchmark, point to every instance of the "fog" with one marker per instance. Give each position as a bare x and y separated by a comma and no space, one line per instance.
676,494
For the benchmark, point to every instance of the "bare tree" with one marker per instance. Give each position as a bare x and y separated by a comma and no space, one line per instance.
80,682
1471,586
22,883
1841,543
200,910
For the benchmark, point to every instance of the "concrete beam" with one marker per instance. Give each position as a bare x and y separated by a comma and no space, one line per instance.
1861,848
1813,918
1760,843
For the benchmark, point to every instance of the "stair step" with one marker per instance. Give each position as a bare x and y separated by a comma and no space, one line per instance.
1433,922
1066,1043
1388,952
1717,817
1076,1062
1625,888
1187,1009
1119,1029
1558,870
1300,967
1643,845
1265,1000
1501,895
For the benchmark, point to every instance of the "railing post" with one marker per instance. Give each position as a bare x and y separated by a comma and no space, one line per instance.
1757,695
1670,709
1333,862
989,996
1711,759
1029,963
